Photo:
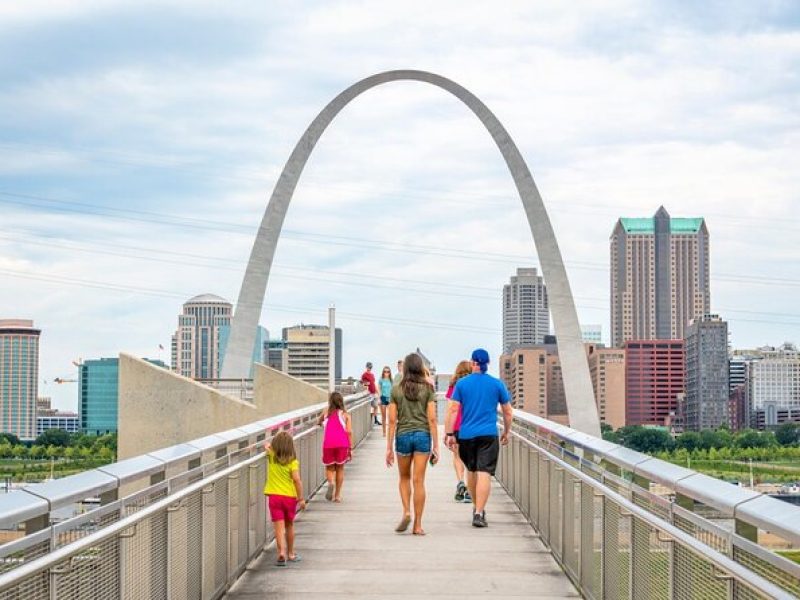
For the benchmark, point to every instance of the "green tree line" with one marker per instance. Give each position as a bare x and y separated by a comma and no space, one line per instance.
58,444
747,444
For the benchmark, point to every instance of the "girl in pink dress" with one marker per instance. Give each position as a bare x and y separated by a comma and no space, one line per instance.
336,444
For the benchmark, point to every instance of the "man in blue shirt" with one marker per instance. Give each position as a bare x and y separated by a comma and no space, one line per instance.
478,396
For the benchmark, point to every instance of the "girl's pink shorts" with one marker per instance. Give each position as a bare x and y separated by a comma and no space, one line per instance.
282,508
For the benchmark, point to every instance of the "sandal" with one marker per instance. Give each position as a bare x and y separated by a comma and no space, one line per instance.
329,493
403,524
281,562
420,532
297,558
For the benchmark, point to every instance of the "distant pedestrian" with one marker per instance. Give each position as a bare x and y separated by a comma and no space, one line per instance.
414,435
368,381
284,491
463,369
337,444
479,395
398,376
385,384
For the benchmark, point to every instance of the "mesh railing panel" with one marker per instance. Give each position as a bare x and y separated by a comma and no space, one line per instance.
696,578
220,545
533,468
92,573
708,537
555,508
768,570
525,473
83,528
11,560
544,499
616,552
178,523
572,534
144,559
591,544
652,562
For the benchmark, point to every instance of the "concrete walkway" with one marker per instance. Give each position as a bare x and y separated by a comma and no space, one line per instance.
350,550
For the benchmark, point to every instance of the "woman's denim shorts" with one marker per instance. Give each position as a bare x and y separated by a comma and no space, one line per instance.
407,444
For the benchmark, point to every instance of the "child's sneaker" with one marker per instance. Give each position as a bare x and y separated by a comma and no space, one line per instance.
461,489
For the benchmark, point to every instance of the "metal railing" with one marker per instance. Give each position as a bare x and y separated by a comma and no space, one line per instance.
591,503
188,536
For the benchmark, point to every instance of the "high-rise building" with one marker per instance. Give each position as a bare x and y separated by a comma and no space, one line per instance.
275,355
659,277
307,352
196,343
98,394
534,379
526,316
654,378
527,372
19,377
706,373
773,386
607,369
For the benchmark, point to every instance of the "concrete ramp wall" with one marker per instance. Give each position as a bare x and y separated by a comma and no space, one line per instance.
159,408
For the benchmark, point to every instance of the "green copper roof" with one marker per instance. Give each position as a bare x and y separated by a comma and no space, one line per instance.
647,225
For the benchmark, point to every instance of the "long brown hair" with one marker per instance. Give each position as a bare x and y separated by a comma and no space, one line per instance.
283,448
335,402
386,368
463,369
414,384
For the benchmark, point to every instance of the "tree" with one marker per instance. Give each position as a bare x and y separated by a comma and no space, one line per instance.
788,434
10,438
649,440
53,437
689,440
19,451
750,438
606,430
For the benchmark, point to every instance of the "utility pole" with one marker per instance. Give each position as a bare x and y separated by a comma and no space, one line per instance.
332,348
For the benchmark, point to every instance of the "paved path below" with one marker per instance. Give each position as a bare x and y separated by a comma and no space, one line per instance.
350,550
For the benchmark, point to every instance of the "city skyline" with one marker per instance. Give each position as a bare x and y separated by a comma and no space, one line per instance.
127,179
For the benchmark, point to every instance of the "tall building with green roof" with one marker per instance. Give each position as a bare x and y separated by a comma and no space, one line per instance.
659,276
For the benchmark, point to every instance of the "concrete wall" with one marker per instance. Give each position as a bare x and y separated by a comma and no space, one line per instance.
159,408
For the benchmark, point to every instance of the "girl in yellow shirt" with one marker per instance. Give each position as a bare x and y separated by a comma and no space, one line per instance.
284,491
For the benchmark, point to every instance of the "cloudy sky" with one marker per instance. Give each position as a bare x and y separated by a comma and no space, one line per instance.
139,142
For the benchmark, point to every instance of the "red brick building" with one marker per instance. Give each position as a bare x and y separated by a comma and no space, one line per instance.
654,376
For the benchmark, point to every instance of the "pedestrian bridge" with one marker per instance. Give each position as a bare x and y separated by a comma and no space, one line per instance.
570,516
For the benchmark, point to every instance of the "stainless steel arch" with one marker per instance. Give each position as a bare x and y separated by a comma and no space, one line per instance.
581,406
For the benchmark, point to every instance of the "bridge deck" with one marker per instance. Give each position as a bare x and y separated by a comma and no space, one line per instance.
351,550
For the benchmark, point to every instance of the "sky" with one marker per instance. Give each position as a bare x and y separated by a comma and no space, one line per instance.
140,141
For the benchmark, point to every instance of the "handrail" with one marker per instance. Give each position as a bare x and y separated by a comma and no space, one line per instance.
751,507
126,539
38,500
745,576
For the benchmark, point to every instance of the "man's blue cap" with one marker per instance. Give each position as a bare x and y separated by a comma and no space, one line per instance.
480,356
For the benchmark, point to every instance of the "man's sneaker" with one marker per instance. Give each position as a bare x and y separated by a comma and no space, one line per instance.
461,492
479,519
467,498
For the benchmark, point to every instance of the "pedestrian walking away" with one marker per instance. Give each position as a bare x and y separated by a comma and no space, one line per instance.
413,434
463,369
479,395
337,444
398,376
385,384
284,492
368,381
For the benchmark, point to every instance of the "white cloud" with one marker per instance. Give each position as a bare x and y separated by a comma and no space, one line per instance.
617,107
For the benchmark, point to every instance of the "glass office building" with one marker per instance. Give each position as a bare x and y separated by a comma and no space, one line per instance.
98,389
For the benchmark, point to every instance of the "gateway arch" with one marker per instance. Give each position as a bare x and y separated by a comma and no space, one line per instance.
578,390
